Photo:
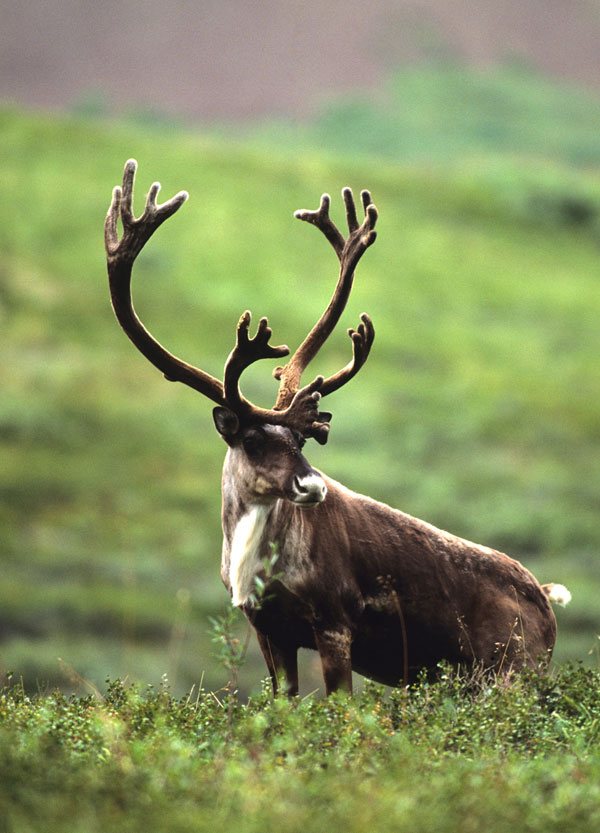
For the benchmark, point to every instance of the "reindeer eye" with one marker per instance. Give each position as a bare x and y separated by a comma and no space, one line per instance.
253,442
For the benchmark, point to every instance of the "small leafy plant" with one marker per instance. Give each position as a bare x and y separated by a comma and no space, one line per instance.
230,650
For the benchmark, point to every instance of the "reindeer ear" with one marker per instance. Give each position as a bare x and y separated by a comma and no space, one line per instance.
226,423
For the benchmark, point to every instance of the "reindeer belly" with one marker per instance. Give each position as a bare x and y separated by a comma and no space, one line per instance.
393,651
395,641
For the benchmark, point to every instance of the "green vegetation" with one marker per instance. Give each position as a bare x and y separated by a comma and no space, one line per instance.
447,111
478,409
462,754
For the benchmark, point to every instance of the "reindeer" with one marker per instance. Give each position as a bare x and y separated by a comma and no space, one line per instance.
371,588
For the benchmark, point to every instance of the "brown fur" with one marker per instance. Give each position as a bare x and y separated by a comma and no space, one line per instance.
359,581
372,589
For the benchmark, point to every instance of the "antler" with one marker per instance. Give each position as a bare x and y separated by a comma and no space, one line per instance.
302,411
120,256
246,352
362,340
349,252
295,407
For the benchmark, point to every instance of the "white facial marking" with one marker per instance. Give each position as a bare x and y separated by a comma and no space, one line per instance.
261,485
245,561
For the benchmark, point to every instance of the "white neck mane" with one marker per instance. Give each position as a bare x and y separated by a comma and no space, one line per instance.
246,553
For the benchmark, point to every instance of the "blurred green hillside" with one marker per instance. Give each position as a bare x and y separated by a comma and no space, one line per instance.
445,110
478,409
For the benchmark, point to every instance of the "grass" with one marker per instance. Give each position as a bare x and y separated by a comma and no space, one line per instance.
477,410
460,754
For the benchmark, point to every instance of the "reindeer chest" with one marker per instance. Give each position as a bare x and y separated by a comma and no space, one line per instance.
252,540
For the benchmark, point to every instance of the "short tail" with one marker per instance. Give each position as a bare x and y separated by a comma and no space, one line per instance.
557,593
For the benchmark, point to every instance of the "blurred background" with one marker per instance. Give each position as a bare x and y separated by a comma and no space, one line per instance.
476,125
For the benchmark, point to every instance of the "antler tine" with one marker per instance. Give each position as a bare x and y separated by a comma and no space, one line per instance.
247,351
321,219
120,257
362,341
349,252
301,414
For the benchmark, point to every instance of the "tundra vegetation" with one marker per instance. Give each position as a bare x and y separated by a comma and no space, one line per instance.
479,411
460,754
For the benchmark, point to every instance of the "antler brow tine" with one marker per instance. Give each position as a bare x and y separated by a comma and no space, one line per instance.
247,351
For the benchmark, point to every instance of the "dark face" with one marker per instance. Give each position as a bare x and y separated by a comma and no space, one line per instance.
267,462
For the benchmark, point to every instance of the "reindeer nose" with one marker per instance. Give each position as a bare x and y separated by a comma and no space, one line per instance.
309,490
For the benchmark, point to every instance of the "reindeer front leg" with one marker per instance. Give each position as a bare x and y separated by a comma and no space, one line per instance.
278,660
334,649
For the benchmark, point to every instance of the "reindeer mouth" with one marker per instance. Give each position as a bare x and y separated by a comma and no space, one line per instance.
308,491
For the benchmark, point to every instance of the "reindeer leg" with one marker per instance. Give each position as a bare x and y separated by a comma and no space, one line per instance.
334,650
277,660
